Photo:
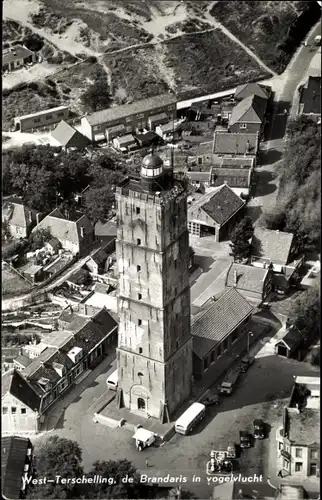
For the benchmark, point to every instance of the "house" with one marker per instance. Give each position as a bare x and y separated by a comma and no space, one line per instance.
248,115
52,246
33,273
20,405
253,283
235,144
16,57
238,173
201,154
298,438
41,119
78,280
289,345
74,230
226,109
310,98
98,261
16,465
125,143
147,139
170,131
199,178
215,213
21,362
27,395
130,118
276,249
218,328
156,120
19,219
8,356
250,89
68,137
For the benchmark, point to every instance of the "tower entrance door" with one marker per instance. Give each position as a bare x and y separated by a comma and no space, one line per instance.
141,404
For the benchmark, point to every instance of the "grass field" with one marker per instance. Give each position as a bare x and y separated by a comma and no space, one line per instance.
12,284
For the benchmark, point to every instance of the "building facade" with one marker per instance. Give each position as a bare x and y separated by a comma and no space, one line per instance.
42,119
154,355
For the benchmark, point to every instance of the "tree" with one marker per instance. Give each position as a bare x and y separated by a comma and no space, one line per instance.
57,457
99,203
241,239
116,471
306,313
97,96
38,238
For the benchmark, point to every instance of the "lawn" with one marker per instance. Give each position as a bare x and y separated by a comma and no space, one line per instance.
262,26
12,284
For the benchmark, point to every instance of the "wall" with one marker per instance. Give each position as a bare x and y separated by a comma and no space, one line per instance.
43,120
19,422
230,224
252,128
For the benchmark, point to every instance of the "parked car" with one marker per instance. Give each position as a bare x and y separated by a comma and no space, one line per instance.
258,429
211,400
244,439
231,451
246,362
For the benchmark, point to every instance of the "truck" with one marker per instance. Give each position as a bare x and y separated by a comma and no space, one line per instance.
229,381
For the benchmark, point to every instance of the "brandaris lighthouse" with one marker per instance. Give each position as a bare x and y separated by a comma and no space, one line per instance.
154,354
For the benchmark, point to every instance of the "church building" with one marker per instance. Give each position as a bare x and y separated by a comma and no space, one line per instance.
154,355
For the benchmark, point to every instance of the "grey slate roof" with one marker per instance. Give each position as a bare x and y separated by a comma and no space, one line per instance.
217,322
249,110
18,214
69,137
249,278
221,204
15,383
199,176
272,245
124,110
234,177
13,458
292,338
248,89
23,360
15,54
235,143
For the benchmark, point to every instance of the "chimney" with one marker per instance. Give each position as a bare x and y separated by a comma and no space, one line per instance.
82,231
235,278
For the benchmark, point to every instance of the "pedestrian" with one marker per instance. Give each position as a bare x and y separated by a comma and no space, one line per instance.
146,463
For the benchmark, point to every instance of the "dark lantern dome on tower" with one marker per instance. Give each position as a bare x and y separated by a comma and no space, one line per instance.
152,166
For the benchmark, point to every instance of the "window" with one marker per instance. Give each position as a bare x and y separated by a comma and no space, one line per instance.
175,263
13,410
298,466
212,357
280,445
314,454
140,350
243,125
285,464
139,322
96,128
138,242
177,345
49,117
4,410
205,364
298,452
60,114
139,296
36,120
225,345
138,268
23,411
137,210
313,470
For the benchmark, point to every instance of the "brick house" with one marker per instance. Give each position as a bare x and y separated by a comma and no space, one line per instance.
19,219
74,231
16,465
16,57
215,213
217,329
248,115
253,283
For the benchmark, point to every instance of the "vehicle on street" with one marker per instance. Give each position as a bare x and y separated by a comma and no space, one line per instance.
244,439
229,381
211,400
258,429
246,362
317,40
143,438
231,451
219,463
112,381
190,418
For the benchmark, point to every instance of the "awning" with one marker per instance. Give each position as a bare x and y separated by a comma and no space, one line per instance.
143,435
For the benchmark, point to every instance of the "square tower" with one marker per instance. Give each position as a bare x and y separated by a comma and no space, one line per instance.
154,354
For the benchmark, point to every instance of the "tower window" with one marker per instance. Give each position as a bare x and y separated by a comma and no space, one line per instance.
137,210
138,241
139,296
175,263
139,322
138,268
177,345
140,350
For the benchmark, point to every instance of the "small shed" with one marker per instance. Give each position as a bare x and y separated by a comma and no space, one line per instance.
289,345
52,246
33,273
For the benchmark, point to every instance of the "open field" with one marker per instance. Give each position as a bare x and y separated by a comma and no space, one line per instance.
262,26
12,284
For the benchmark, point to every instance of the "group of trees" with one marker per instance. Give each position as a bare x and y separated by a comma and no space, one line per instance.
98,95
298,207
305,312
46,178
63,457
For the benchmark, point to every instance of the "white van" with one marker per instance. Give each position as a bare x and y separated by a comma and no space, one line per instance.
190,418
112,381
